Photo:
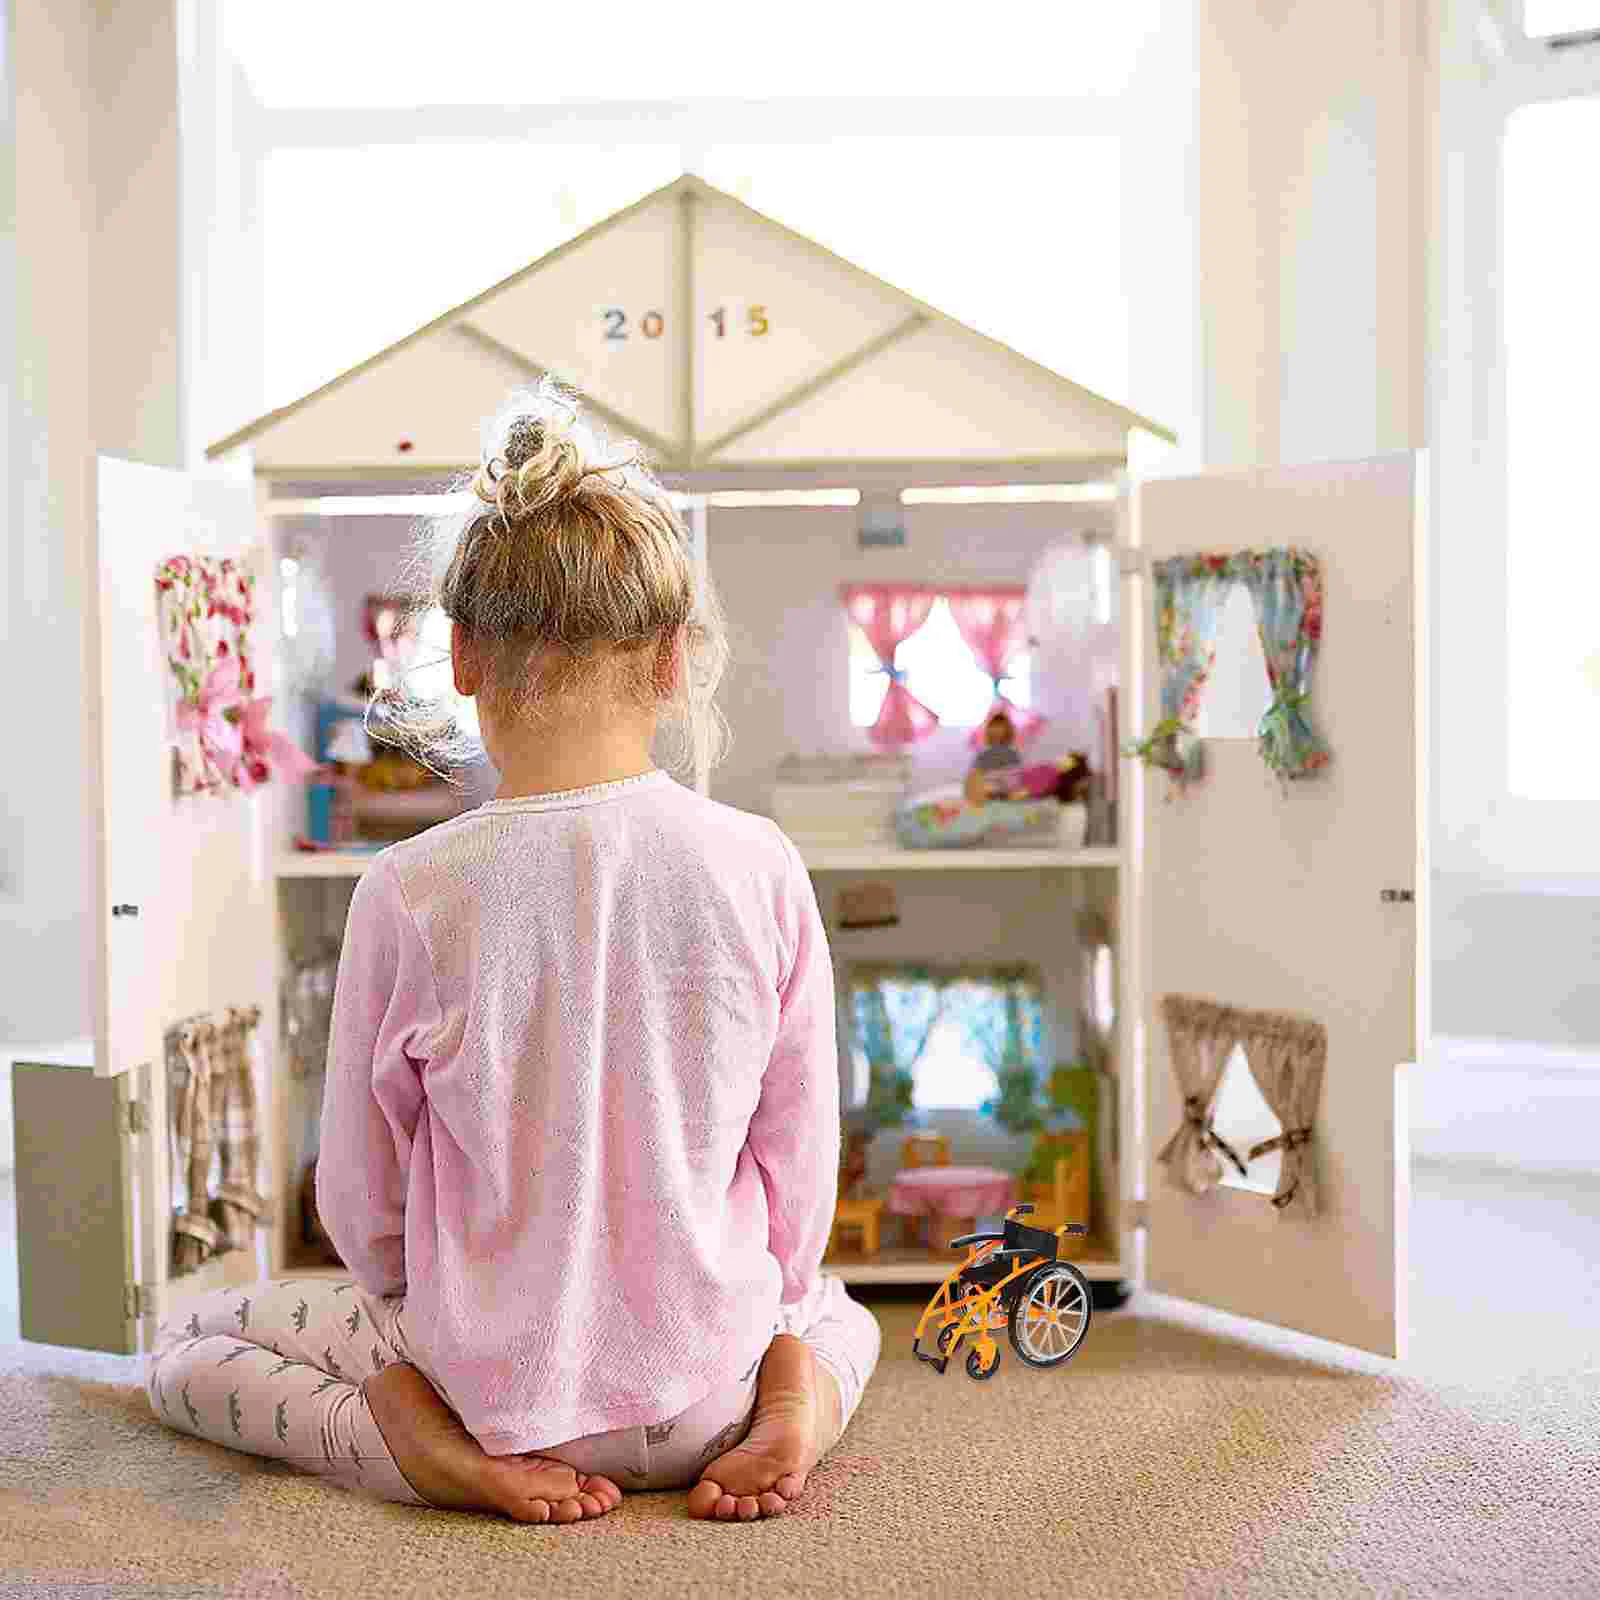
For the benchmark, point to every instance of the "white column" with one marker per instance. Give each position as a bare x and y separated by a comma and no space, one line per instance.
90,161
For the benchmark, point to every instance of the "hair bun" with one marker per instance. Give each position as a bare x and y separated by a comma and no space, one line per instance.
538,465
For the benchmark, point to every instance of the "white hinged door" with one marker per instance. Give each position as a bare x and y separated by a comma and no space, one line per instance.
1307,898
185,922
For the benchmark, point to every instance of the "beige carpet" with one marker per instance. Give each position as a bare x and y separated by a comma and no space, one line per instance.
1168,1459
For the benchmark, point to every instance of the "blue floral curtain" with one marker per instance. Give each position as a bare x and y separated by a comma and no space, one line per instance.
1285,587
1189,591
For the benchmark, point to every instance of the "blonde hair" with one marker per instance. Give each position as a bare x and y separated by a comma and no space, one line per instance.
568,578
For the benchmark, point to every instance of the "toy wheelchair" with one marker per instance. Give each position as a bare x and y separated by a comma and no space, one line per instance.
1043,1303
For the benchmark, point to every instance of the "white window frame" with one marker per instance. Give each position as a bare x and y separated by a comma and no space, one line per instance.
1488,68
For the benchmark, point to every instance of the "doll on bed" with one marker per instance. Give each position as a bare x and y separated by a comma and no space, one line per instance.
1066,780
998,772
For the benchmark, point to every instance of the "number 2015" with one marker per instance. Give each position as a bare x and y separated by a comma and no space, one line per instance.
652,324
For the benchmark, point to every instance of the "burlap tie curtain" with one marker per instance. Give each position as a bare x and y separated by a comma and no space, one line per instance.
214,1117
1286,1055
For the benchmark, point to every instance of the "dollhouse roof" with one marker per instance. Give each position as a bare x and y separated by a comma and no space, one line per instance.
729,346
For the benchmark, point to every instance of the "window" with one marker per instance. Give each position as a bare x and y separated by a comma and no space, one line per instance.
1242,1118
947,1076
1552,343
940,671
1239,693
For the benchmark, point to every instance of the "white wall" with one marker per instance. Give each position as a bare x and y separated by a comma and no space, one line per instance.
92,352
1318,234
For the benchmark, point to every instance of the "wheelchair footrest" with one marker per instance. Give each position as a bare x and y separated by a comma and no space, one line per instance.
938,1363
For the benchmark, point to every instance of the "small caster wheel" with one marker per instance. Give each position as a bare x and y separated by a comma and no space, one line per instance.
976,1368
947,1335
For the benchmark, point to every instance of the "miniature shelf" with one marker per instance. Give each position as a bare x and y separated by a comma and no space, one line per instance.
868,858
914,1265
890,858
1100,1262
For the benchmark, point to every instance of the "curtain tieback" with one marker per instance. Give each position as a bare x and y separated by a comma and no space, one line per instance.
894,674
1195,1113
1292,1140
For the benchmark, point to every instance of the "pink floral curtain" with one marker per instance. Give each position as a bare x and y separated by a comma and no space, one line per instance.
889,614
991,623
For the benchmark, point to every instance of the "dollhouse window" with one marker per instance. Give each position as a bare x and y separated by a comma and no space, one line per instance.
940,671
1241,1118
1238,694
948,1076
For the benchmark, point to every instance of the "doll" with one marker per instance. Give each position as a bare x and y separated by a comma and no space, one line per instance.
993,771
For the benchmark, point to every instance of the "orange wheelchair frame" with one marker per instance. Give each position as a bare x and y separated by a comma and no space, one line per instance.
1010,1280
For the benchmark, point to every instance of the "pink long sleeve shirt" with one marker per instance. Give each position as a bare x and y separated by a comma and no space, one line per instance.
582,1102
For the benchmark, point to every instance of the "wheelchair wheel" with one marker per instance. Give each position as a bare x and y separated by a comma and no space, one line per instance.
946,1338
1051,1315
976,1368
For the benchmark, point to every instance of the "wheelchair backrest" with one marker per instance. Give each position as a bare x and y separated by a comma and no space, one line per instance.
1019,1236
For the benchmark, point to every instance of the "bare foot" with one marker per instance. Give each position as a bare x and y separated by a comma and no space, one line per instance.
450,1469
797,1422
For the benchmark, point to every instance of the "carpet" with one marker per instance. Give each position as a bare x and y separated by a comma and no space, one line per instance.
1164,1460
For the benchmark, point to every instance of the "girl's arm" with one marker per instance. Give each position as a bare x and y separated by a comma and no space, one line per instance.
794,1134
385,1008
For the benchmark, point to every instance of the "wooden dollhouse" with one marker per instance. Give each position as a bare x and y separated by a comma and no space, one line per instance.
745,357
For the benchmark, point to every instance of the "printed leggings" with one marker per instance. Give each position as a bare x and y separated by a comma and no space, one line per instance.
277,1368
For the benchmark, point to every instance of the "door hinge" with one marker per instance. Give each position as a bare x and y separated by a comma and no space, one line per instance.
1138,1213
1132,561
137,1300
138,1117
1403,897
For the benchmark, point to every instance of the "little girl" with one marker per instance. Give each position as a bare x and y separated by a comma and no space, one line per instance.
580,1134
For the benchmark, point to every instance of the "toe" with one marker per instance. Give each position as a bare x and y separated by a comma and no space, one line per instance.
749,1508
703,1498
791,1486
772,1504
567,1511
727,1508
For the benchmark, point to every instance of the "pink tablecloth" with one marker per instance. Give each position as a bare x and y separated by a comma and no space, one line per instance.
951,1192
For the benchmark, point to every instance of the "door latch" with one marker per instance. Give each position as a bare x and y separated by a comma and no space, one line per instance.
124,910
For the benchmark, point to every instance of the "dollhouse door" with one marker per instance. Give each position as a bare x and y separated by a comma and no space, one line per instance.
1254,900
184,927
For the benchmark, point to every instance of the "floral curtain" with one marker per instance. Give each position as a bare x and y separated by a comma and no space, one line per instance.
222,739
991,623
1286,588
1286,591
889,614
1189,591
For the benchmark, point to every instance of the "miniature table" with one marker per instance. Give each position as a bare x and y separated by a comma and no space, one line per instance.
965,1193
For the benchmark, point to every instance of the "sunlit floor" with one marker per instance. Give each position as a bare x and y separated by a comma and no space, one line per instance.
1505,1277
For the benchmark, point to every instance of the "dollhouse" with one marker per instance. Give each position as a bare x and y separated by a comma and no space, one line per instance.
1193,899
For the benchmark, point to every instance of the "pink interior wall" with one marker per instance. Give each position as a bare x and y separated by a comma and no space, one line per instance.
778,572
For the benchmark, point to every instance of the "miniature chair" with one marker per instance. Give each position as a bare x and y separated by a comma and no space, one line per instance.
925,1150
862,1214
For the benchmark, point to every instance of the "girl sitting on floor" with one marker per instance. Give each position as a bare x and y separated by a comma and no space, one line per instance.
580,1133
